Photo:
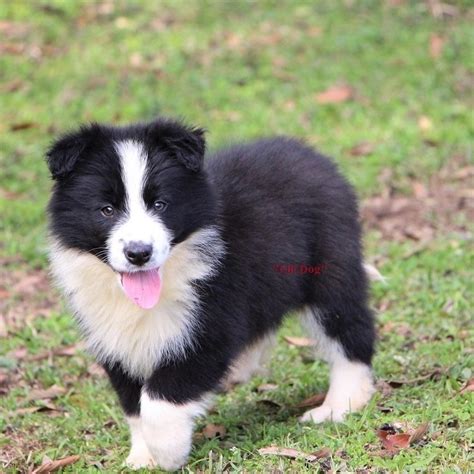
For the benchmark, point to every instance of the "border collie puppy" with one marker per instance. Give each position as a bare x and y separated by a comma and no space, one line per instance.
176,268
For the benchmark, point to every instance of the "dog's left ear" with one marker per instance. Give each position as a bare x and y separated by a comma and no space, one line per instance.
186,144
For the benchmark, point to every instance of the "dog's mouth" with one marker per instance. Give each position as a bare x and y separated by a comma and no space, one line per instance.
143,287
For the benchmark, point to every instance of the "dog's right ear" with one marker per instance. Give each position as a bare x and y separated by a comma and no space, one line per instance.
65,152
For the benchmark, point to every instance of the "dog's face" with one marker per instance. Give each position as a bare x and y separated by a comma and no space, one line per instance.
127,195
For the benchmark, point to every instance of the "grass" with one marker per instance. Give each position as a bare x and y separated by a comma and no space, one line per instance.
244,70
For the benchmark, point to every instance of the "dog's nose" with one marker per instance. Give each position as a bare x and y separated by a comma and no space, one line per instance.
138,253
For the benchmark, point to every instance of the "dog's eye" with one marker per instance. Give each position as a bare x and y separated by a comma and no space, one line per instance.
159,205
107,211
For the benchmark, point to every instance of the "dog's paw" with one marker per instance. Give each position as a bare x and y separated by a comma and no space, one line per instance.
324,413
140,458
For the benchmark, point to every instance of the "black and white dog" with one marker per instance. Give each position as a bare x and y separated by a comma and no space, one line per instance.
178,269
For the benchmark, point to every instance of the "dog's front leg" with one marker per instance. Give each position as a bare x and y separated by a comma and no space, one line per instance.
128,390
175,395
167,429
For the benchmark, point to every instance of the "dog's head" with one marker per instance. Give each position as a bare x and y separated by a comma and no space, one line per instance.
127,195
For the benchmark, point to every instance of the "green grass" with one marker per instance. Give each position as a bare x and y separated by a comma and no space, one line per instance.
244,70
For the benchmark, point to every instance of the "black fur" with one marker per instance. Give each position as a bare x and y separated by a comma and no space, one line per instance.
276,201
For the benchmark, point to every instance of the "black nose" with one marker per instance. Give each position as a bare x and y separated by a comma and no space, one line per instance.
138,253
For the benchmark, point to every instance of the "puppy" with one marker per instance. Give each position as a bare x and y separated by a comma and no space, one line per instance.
176,268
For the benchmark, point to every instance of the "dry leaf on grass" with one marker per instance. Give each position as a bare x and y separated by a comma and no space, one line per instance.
299,341
394,442
67,351
48,394
47,407
436,45
51,466
214,431
313,401
468,387
16,127
335,95
294,453
267,387
435,374
362,149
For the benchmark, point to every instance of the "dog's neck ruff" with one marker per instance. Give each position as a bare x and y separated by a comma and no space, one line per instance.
117,330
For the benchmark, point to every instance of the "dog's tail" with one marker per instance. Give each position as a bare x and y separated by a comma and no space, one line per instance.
373,274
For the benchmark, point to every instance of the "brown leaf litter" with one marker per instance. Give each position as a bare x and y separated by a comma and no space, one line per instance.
393,440
335,94
295,453
313,401
26,294
49,465
432,209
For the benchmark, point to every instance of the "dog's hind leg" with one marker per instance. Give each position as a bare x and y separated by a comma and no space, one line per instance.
251,361
347,345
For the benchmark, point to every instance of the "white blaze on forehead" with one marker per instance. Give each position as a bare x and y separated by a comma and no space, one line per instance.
138,224
133,161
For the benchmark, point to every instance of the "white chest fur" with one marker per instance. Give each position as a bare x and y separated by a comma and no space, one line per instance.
118,330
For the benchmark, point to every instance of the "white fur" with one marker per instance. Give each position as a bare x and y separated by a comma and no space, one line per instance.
351,383
373,274
251,362
140,455
167,429
139,224
118,330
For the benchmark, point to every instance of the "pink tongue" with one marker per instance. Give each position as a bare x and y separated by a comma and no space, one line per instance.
143,288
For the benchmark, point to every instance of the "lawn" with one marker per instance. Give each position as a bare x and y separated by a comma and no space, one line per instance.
385,87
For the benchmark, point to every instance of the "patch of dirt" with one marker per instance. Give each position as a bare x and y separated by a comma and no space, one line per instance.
24,295
15,454
444,204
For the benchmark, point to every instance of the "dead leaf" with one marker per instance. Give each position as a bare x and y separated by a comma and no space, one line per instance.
322,453
419,190
50,393
214,431
96,370
313,401
468,386
288,453
362,149
464,173
392,327
12,86
418,434
51,466
335,95
46,407
67,351
436,45
11,29
299,341
394,442
16,127
19,354
384,388
435,374
266,387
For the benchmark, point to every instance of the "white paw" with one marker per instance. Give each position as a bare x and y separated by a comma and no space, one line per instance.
324,413
139,457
